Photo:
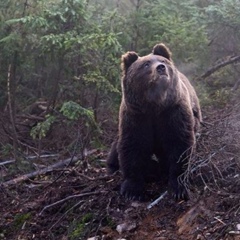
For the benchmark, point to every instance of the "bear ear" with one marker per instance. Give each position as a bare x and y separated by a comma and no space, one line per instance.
161,50
128,59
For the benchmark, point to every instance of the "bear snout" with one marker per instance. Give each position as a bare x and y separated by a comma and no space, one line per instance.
161,69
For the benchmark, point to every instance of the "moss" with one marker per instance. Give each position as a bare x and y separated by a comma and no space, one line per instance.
20,219
79,228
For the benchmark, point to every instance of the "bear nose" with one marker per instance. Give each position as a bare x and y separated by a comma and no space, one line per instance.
161,68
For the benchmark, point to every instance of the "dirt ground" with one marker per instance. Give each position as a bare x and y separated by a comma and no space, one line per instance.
80,201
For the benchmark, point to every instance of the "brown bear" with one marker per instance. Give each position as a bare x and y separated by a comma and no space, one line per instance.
159,115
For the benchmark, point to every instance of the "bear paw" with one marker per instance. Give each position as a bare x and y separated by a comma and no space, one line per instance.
179,191
132,189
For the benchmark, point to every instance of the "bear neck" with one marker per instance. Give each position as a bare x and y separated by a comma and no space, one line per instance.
140,106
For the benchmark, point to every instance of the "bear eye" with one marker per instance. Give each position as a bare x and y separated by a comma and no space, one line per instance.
146,64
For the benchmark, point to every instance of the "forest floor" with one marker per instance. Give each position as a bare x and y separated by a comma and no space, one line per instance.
79,201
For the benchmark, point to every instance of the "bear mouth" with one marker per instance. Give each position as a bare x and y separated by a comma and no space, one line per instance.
157,90
159,80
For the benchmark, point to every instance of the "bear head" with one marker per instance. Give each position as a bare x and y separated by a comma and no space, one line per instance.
148,79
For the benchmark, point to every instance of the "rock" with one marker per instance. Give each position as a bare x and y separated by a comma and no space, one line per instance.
94,238
234,232
127,226
238,226
136,204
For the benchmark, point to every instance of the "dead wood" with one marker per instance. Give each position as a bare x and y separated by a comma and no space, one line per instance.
106,177
71,197
7,162
236,85
31,117
213,69
41,171
30,158
155,202
11,87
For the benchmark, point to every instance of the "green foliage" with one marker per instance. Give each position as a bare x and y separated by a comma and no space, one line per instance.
6,150
225,12
20,219
218,98
74,30
174,22
79,228
63,32
108,221
74,111
68,51
41,129
217,89
223,23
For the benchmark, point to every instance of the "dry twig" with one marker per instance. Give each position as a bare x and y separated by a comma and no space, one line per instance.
155,202
220,65
71,197
39,172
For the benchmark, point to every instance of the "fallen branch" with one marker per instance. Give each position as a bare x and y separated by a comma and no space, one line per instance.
70,197
31,117
7,162
218,66
105,177
29,158
11,89
43,156
41,171
155,202
69,210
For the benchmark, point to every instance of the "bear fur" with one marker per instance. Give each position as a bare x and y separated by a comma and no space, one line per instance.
159,116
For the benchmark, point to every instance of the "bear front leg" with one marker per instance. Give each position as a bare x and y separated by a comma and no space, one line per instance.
179,143
179,158
133,155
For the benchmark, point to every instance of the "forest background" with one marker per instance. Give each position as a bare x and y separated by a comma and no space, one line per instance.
60,84
60,63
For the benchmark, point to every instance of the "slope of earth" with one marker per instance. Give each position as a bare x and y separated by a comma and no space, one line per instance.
76,202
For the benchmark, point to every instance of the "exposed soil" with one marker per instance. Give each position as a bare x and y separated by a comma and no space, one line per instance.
81,202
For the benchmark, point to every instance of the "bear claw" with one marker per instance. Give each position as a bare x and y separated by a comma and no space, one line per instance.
132,190
179,191
181,194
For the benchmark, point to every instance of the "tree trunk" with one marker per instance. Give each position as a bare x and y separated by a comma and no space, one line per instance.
11,91
218,66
